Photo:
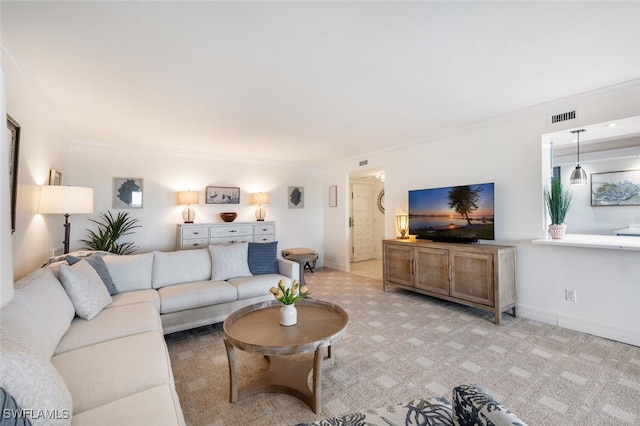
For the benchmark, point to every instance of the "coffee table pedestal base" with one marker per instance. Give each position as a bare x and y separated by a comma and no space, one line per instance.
284,375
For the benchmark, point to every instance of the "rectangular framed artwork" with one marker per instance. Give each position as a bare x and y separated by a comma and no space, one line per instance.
13,136
127,193
55,177
295,197
333,196
615,188
222,195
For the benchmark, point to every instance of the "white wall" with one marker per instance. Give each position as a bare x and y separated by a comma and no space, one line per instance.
43,146
6,253
166,172
507,150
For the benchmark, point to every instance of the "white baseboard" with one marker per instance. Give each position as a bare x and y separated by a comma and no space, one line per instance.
608,331
336,266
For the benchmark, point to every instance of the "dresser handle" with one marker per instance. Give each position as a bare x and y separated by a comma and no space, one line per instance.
196,233
233,230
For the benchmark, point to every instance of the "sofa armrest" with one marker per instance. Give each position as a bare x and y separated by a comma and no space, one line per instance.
473,406
289,268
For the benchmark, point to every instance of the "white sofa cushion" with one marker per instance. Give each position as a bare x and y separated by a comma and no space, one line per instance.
138,296
33,381
179,297
229,261
85,289
42,294
130,272
158,406
108,371
110,324
257,285
184,266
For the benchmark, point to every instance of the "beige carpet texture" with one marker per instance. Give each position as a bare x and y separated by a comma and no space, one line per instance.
400,346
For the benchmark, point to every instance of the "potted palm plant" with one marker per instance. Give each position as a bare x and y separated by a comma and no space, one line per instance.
110,229
558,202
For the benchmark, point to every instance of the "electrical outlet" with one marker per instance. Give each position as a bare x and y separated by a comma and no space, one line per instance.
569,295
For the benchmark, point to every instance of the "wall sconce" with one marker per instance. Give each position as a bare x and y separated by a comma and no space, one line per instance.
402,222
56,199
188,198
259,199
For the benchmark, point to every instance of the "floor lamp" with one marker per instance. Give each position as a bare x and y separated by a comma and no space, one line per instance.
66,200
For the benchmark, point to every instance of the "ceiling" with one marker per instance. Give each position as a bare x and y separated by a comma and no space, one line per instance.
310,82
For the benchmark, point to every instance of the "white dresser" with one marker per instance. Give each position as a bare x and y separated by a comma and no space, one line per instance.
199,235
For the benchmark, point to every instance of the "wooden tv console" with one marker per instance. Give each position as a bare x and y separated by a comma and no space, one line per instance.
478,275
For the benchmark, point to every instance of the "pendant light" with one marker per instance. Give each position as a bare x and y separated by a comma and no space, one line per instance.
578,176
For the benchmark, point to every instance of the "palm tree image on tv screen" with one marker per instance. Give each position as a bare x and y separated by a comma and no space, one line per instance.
463,213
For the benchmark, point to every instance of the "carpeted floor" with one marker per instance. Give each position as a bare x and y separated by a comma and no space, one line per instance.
400,346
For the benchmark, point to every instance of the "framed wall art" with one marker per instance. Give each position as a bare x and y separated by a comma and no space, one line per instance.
380,202
13,136
615,188
222,195
333,196
127,193
55,177
295,197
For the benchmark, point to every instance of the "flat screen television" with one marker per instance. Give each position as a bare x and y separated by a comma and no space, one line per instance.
456,213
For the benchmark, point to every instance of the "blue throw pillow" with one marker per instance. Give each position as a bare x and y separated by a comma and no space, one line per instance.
263,258
101,268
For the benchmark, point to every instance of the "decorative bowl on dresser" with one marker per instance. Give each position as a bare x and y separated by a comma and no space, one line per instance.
228,216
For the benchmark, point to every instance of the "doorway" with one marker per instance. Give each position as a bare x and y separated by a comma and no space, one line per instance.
366,222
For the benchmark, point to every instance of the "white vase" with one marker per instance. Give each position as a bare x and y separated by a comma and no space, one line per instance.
288,315
557,231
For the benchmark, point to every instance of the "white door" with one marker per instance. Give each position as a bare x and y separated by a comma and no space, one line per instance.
362,221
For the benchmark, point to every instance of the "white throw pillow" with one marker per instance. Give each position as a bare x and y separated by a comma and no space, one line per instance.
85,289
229,261
33,381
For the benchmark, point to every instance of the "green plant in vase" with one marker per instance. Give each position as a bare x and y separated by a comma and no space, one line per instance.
110,230
558,201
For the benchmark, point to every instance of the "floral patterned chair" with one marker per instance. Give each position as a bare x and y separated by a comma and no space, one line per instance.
471,407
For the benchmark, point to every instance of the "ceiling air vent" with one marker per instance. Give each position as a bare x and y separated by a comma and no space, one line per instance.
564,116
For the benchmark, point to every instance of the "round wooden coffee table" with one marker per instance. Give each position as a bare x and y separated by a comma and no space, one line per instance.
256,329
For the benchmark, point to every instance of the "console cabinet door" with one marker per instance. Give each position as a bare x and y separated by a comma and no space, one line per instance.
398,260
432,270
472,276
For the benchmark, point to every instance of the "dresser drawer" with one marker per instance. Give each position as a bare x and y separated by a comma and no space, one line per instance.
226,231
232,239
194,243
264,238
189,232
264,229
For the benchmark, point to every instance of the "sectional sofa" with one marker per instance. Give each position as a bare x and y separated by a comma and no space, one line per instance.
82,340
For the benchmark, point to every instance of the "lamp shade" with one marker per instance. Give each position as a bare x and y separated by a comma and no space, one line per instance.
66,199
260,198
578,176
188,197
402,222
